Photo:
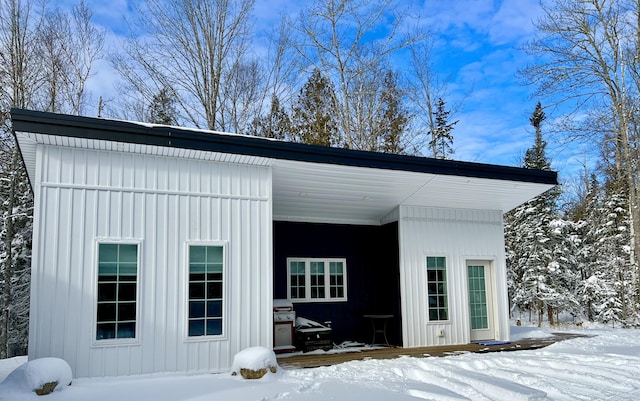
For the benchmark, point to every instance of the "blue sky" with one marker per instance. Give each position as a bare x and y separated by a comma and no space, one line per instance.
476,47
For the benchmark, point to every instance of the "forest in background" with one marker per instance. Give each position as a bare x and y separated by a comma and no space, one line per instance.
328,78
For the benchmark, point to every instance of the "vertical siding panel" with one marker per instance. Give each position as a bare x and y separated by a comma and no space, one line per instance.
153,342
86,264
53,270
76,278
149,257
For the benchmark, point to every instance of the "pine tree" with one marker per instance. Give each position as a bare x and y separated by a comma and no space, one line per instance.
613,260
592,284
538,243
313,120
394,118
163,108
276,124
441,137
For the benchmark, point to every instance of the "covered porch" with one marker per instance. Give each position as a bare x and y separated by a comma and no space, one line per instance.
371,272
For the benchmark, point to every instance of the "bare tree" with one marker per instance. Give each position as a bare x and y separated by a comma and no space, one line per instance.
426,87
84,49
241,93
335,37
194,47
68,46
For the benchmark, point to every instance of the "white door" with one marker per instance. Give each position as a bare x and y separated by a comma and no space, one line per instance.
479,277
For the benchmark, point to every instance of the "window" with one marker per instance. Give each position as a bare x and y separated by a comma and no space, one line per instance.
437,288
117,291
206,267
317,280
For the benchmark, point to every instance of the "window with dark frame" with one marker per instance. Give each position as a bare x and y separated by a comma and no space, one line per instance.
206,268
437,288
117,291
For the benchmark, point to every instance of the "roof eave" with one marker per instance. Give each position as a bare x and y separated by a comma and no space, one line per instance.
130,132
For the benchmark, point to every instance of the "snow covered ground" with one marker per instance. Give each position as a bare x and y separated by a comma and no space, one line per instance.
605,366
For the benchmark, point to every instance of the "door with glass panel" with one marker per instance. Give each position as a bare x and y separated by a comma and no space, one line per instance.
479,278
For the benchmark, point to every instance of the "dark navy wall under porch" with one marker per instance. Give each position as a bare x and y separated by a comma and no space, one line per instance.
373,282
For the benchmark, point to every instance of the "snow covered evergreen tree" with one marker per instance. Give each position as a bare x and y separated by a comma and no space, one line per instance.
540,246
612,251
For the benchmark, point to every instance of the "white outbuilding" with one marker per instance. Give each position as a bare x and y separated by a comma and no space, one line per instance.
161,249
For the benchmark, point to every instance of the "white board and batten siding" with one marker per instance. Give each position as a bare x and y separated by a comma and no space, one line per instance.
459,235
163,204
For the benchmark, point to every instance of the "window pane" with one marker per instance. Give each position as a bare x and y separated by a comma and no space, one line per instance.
106,292
214,327
196,327
126,312
197,254
126,330
214,254
127,292
335,267
214,309
107,312
317,267
197,268
214,276
196,290
297,268
107,271
128,254
298,293
214,290
196,309
108,253
106,331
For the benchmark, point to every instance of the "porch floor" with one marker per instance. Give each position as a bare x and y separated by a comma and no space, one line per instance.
312,360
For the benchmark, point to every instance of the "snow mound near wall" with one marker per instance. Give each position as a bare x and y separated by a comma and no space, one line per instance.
254,359
34,375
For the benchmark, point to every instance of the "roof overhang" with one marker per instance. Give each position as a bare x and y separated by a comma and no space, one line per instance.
310,183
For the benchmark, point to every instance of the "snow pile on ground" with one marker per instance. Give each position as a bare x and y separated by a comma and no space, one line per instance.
603,366
35,375
255,359
521,332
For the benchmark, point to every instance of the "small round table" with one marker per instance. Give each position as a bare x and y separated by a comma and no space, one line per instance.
379,328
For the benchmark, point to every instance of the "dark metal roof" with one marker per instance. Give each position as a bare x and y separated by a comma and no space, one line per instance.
130,132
